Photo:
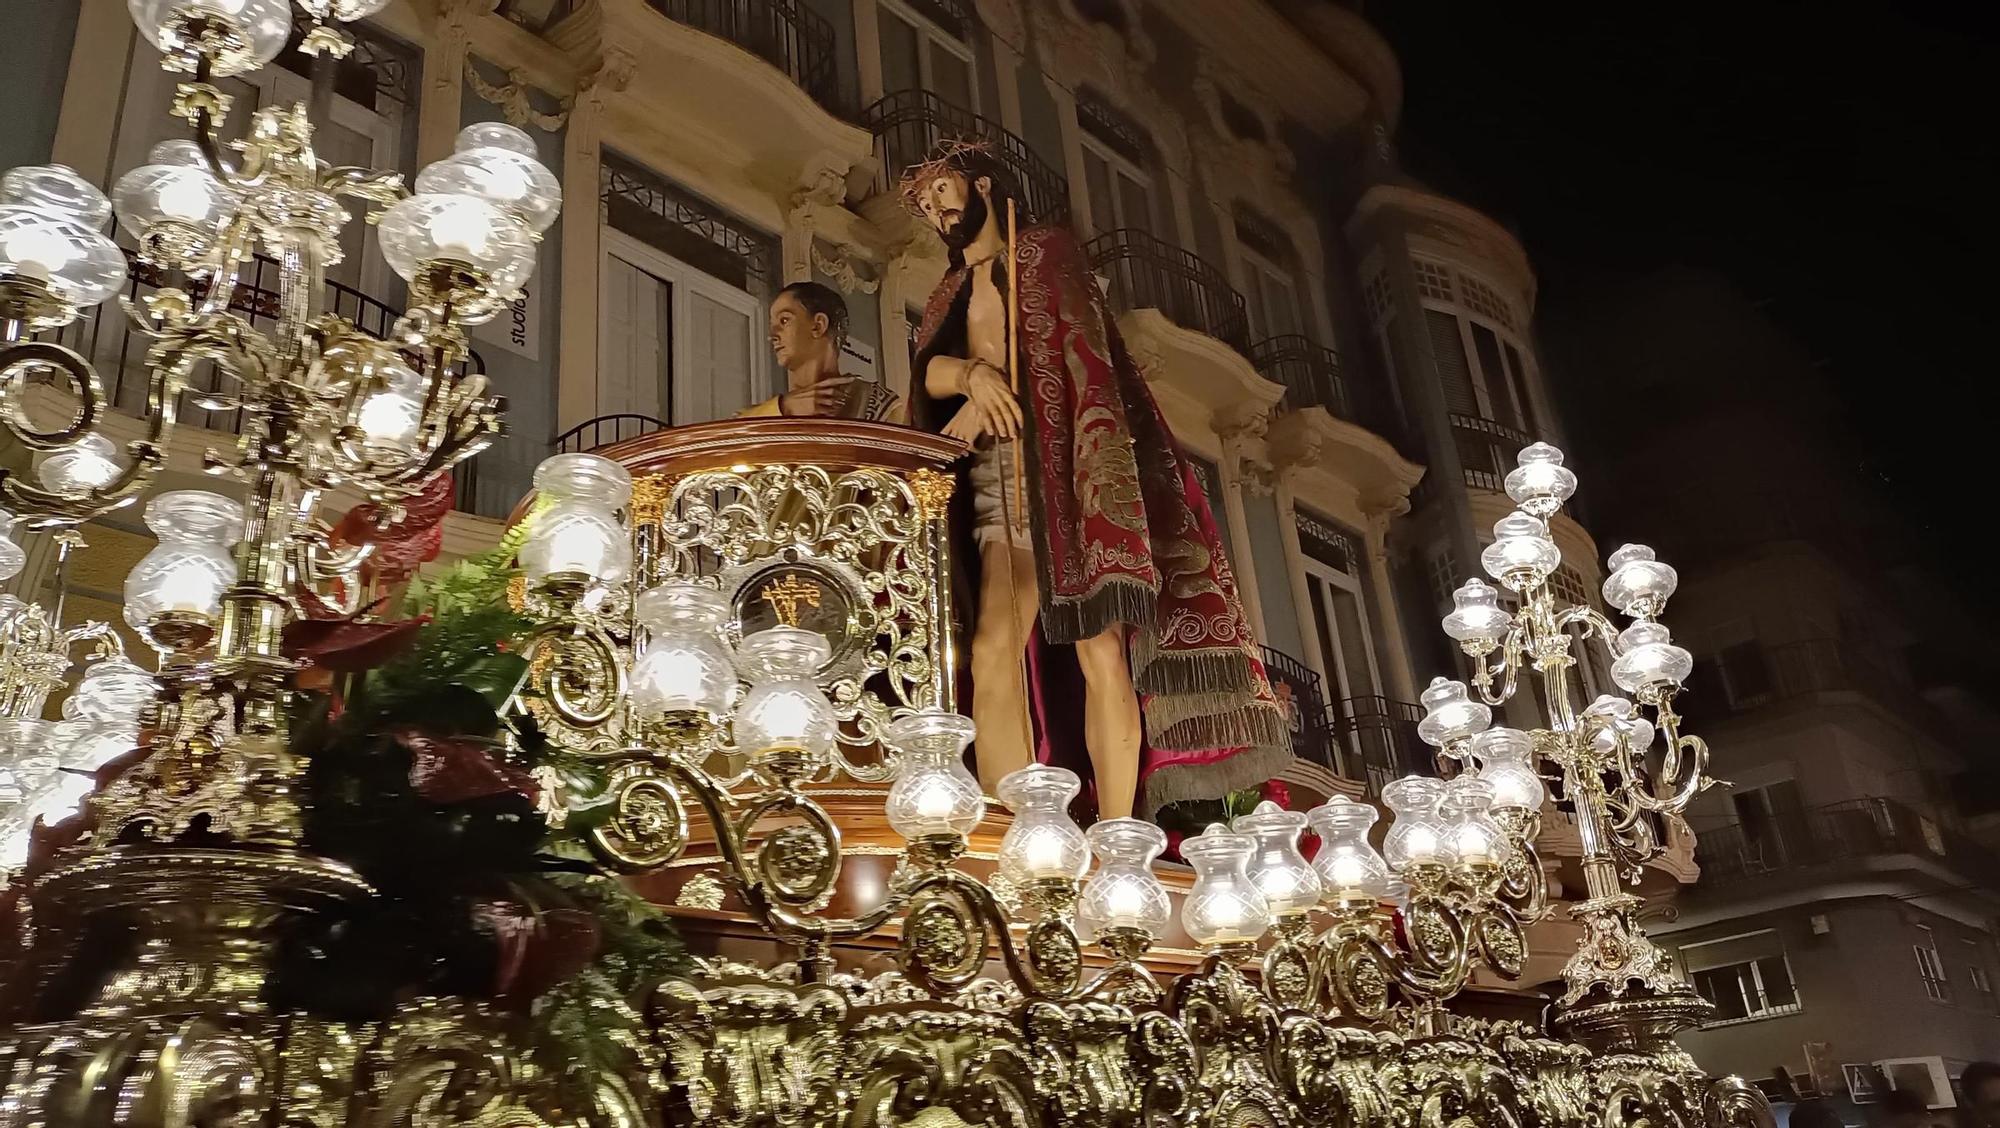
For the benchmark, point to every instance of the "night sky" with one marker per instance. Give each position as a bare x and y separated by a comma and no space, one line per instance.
1836,161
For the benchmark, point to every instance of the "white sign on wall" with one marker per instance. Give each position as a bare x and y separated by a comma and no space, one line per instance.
857,358
517,327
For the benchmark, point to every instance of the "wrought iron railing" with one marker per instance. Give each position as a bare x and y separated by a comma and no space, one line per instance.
1309,371
1299,692
1378,735
908,124
784,33
118,349
1857,830
605,430
1149,273
1487,450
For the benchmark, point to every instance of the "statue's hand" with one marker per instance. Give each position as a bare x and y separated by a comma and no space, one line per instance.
968,424
821,398
986,387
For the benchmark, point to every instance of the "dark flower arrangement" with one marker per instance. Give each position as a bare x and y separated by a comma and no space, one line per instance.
420,780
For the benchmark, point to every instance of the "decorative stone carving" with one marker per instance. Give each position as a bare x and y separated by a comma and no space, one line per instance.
515,99
839,267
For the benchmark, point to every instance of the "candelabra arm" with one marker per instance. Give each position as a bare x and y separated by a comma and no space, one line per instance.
1683,770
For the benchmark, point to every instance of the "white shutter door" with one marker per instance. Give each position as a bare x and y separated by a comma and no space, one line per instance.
718,383
632,368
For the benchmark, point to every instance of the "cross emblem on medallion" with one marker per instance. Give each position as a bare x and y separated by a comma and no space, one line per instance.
786,595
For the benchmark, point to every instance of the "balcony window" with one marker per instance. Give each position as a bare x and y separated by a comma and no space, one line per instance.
924,48
1475,339
1114,151
1273,298
683,290
1745,977
1930,966
1345,646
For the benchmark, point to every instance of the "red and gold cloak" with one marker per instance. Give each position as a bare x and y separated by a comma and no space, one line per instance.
1122,529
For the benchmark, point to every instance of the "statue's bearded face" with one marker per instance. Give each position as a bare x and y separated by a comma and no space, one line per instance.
955,208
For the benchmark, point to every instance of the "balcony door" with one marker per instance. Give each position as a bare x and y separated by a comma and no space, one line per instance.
1121,194
1341,643
919,53
674,343
1273,298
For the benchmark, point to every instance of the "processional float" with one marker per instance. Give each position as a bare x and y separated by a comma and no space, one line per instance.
744,632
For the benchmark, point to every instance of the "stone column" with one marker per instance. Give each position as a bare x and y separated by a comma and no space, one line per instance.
1072,142
583,222
439,113
1391,644
868,51
1243,464
94,91
1007,77
1295,571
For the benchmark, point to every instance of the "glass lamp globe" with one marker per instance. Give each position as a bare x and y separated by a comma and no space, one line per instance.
1124,892
1044,843
1648,663
1449,714
1477,618
684,667
1613,717
579,535
239,35
935,794
51,234
1505,758
91,462
1351,872
463,231
1521,555
343,11
497,163
1416,836
785,717
1288,882
1224,907
173,204
1539,483
174,594
12,556
1472,839
112,691
390,416
1639,585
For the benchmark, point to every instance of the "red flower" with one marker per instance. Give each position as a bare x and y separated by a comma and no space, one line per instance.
1174,838
445,770
1277,791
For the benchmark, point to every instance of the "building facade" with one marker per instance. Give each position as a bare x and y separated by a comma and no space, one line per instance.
1844,922
1347,355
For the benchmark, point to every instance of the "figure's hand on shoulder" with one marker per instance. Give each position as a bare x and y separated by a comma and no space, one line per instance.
822,398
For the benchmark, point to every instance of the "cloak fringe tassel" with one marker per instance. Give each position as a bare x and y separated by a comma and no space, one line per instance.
1174,783
1120,601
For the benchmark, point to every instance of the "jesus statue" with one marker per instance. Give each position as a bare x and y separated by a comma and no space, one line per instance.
1088,520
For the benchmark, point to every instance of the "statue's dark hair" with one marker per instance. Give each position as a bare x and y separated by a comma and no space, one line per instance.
818,299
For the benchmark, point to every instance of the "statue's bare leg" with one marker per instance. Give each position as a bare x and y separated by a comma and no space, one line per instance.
1110,721
1111,724
1008,603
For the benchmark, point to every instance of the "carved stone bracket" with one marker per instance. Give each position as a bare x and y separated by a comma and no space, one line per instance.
515,99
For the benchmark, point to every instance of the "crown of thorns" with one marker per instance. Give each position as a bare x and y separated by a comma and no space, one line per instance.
947,157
